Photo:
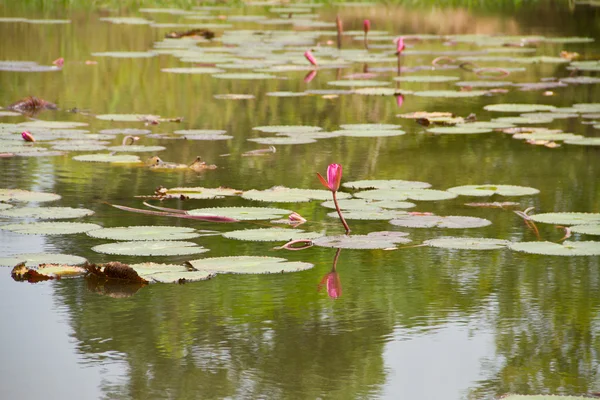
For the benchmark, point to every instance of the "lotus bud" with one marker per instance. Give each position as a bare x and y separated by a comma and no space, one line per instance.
311,59
400,46
28,137
366,26
295,217
334,177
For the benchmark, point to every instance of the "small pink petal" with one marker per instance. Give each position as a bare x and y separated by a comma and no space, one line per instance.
59,62
311,59
28,137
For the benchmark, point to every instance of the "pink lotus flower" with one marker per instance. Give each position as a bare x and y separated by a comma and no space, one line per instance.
59,62
400,46
311,59
333,284
334,177
366,26
28,137
295,217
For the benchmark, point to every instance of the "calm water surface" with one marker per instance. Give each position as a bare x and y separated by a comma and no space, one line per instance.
417,323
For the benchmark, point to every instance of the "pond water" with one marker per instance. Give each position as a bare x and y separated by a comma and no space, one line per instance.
412,322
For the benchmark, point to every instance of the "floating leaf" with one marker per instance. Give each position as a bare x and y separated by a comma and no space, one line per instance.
373,215
566,248
126,54
366,242
46,212
386,184
380,91
232,96
286,94
242,213
487,84
126,117
581,80
134,233
283,140
358,83
518,108
464,129
249,265
51,124
150,248
426,78
450,93
435,221
461,243
126,20
136,148
50,228
370,132
567,218
169,273
586,141
4,206
35,259
271,235
287,128
591,229
108,158
404,194
193,70
199,192
290,195
244,76
525,120
366,127
489,190
26,195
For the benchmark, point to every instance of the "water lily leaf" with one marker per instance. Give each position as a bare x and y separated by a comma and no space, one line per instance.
380,91
126,20
108,158
373,215
4,206
488,125
462,243
242,213
435,221
179,277
518,108
426,78
287,94
366,242
126,131
150,248
200,192
35,259
135,233
352,204
9,114
587,107
525,119
233,96
280,194
26,195
403,194
50,228
126,117
287,128
136,148
547,136
244,76
386,184
370,132
358,83
464,129
366,127
271,235
486,84
193,70
567,248
489,190
283,140
46,212
581,80
249,265
591,229
70,146
426,114
51,124
584,141
450,93
126,54
567,218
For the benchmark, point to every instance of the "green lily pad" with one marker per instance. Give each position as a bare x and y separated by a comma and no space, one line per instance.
69,146
9,114
567,218
435,221
280,194
242,213
51,124
489,190
380,91
4,206
591,229
486,84
135,233
287,94
201,192
249,265
370,132
462,243
199,132
450,93
125,54
525,120
126,117
177,277
586,141
358,83
34,259
567,248
244,76
26,195
50,228
287,128
193,70
271,235
136,148
426,78
368,127
386,184
150,248
587,107
369,215
233,96
283,140
126,131
127,20
518,108
581,80
363,242
487,125
405,194
547,136
464,129
108,158
46,212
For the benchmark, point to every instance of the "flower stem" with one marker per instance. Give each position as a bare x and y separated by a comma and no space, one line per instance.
337,208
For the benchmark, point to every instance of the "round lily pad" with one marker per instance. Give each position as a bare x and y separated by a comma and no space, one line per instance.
464,129
487,84
525,120
461,243
287,94
193,70
372,215
244,76
518,108
242,213
404,194
366,242
358,83
435,221
591,229
51,124
362,204
34,259
366,127
199,132
489,190
135,233
46,212
125,54
283,140
50,228
386,184
567,248
233,96
69,146
567,218
586,141
287,128
450,93
249,265
271,235
136,148
201,192
581,80
379,91
126,20
280,194
108,158
426,78
370,132
126,117
177,277
26,195
150,248
126,131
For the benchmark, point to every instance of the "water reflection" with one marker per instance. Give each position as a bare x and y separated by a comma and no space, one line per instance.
331,281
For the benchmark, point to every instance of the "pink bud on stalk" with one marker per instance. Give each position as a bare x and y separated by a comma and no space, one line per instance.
400,46
334,178
295,217
311,59
366,26
28,137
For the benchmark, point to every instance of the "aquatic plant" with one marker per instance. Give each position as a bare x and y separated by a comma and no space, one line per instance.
334,178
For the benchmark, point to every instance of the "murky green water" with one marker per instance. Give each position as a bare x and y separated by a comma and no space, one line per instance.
419,322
